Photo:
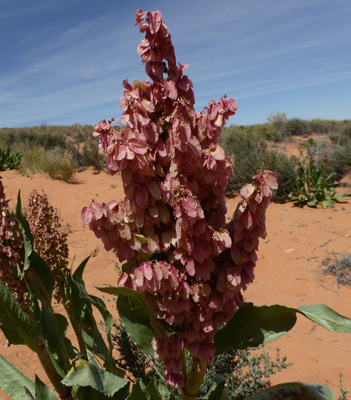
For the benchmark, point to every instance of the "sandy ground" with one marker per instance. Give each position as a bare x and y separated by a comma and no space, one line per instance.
288,271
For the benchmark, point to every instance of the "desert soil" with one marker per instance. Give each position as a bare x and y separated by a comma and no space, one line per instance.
288,271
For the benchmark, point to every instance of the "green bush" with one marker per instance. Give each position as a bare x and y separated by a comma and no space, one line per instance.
336,158
251,154
296,126
324,126
30,138
9,160
84,150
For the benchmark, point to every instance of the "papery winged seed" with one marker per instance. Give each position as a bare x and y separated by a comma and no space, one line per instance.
87,215
153,243
154,189
218,153
148,105
138,146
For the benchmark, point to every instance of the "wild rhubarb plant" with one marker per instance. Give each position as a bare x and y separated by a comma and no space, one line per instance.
185,264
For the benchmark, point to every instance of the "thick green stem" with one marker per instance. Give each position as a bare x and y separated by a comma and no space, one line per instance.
184,371
65,392
195,379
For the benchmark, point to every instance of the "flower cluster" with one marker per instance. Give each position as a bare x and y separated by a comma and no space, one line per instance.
190,264
11,252
50,242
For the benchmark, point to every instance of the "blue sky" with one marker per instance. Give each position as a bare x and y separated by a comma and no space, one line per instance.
64,61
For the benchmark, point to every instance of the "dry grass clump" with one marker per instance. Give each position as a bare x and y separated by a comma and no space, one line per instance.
340,267
51,162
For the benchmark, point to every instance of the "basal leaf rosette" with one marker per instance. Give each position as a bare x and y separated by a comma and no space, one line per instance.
190,264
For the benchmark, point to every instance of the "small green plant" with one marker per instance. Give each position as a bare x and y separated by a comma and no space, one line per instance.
313,186
9,160
343,392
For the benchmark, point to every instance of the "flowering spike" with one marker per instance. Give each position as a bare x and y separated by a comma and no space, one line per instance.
174,176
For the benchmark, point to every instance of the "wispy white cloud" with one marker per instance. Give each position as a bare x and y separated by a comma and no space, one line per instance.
244,49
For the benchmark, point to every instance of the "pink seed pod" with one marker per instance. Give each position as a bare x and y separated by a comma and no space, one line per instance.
174,176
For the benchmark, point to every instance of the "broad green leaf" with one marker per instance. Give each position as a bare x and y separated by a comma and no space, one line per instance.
43,392
54,328
84,316
88,393
142,392
138,392
91,334
40,279
85,374
140,307
78,273
216,389
13,381
15,323
108,320
295,390
252,326
26,233
137,325
326,317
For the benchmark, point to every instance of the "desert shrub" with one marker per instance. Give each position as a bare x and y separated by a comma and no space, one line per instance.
51,162
278,120
84,150
336,158
285,170
339,160
245,373
251,154
30,138
296,126
338,265
338,139
324,125
346,130
9,160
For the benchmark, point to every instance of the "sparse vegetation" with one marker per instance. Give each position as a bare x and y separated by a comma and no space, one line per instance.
343,392
250,153
83,148
51,162
338,265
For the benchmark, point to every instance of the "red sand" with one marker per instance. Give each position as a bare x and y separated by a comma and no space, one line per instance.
288,271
